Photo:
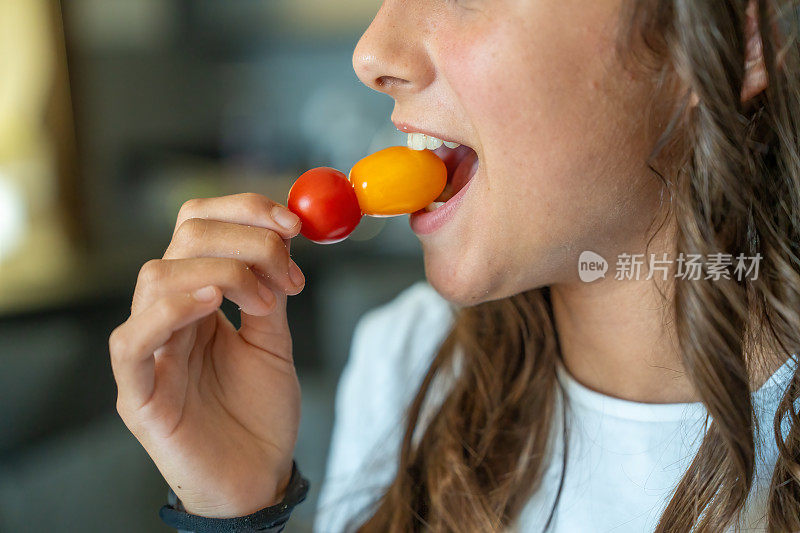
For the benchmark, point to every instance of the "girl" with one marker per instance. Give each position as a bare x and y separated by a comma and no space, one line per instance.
620,243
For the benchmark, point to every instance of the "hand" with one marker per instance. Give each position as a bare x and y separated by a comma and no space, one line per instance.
215,408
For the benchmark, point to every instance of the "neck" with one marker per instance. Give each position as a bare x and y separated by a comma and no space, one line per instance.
614,340
616,337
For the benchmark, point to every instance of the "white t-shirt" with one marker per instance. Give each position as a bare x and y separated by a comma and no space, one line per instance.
624,457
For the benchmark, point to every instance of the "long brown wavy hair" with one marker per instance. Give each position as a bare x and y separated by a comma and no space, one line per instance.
479,457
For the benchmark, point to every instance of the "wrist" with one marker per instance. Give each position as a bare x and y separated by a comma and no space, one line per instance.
244,500
270,518
279,493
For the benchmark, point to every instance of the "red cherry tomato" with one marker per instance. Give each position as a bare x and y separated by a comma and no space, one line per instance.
326,203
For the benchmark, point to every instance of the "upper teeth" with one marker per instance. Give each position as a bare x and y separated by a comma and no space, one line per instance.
420,141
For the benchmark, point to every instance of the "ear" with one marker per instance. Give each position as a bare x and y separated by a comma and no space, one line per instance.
755,72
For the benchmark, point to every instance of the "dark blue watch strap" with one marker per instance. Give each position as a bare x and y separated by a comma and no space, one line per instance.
269,519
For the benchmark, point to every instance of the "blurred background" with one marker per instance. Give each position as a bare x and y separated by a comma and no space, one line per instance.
112,114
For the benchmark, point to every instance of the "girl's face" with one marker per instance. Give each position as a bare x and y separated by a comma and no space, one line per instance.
561,131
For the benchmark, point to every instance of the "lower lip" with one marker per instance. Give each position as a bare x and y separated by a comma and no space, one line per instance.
425,222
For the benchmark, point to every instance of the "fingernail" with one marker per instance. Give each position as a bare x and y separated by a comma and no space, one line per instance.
206,294
295,274
284,217
267,296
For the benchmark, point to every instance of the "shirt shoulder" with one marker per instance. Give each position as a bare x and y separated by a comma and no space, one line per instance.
401,331
392,348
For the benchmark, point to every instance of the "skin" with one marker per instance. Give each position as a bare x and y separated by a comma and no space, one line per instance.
536,89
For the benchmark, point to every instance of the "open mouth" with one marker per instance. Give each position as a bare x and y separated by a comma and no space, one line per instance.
461,162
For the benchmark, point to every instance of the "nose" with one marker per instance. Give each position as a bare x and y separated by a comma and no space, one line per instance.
391,55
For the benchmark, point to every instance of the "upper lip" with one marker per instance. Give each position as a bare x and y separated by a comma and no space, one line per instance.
405,127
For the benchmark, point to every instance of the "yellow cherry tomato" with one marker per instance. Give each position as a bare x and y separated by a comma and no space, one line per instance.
398,180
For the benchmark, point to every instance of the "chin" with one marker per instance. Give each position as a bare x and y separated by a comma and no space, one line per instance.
471,279
460,284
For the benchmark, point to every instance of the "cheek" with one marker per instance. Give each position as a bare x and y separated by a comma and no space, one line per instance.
523,74
540,117
529,100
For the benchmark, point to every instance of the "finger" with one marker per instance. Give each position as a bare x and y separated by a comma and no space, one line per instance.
133,344
160,277
270,333
262,249
181,342
201,337
172,374
249,209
